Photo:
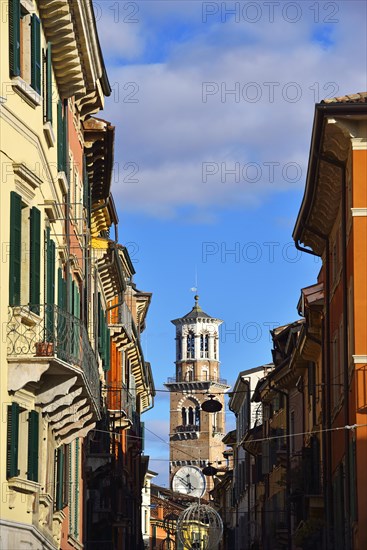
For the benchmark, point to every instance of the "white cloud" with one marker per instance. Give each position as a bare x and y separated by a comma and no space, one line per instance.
170,134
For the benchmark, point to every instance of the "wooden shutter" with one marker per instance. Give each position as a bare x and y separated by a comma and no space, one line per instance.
107,354
15,248
14,37
76,495
33,436
50,286
49,82
12,441
60,138
35,260
36,54
59,478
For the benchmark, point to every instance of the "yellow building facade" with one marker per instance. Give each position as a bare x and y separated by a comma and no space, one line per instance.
52,79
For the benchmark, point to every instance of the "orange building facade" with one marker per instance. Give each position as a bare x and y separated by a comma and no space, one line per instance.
332,224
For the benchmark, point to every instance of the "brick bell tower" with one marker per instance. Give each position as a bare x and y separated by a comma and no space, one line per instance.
195,435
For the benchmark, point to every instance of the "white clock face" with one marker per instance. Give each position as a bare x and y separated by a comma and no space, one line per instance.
189,480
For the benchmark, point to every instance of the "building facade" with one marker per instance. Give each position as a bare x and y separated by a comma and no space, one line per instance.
72,316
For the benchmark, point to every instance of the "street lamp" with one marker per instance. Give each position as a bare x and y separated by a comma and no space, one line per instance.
200,527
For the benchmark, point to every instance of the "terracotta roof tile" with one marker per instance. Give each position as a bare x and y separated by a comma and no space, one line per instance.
351,98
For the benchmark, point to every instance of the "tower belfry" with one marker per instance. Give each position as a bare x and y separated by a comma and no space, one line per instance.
195,435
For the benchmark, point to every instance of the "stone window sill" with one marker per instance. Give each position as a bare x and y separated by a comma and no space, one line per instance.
26,92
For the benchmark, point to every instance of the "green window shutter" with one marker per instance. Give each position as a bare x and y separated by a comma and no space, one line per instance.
107,344
59,478
75,312
35,260
49,82
87,198
60,289
14,37
100,328
12,441
36,54
76,495
50,286
33,435
60,138
15,248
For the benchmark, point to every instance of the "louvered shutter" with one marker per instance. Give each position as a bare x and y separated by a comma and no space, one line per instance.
15,248
36,54
14,37
49,82
35,260
33,436
12,441
50,286
59,478
60,138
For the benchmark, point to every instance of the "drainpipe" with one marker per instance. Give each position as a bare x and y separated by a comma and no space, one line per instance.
326,390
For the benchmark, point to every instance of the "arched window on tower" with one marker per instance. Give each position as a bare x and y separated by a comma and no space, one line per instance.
190,345
204,346
215,346
179,350
197,417
191,416
183,416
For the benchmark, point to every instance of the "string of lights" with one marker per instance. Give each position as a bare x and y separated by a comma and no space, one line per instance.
351,427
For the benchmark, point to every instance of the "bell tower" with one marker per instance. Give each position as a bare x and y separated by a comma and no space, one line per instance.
195,435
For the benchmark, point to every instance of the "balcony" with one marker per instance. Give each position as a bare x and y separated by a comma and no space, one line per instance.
49,350
121,324
192,381
121,403
186,431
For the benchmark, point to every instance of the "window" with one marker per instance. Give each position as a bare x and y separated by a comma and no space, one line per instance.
24,285
61,138
190,345
50,285
197,416
33,437
24,45
48,83
35,260
204,345
191,416
12,441
15,248
179,350
215,347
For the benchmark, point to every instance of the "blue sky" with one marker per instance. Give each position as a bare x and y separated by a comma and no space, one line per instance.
213,113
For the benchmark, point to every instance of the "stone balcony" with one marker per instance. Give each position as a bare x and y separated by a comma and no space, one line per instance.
49,355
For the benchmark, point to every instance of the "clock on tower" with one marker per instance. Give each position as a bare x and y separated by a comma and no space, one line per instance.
195,435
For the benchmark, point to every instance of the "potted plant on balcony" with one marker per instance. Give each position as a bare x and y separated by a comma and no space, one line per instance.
44,349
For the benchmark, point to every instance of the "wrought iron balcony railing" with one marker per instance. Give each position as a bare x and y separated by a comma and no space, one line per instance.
187,428
194,378
121,315
120,399
52,332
